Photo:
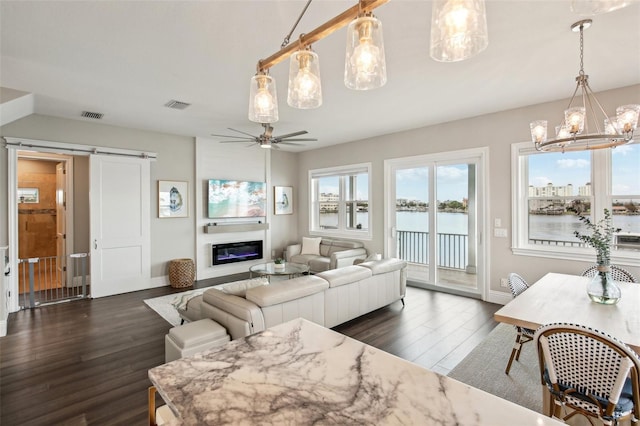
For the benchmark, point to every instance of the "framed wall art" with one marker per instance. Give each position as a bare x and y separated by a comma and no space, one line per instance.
283,199
173,198
28,195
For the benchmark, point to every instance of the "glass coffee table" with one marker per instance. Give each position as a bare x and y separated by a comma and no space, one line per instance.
269,269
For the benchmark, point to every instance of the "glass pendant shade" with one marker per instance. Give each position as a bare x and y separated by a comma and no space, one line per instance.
305,89
538,131
365,66
574,120
596,7
263,99
627,117
458,29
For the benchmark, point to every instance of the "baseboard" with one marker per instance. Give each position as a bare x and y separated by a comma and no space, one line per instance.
499,297
161,281
3,328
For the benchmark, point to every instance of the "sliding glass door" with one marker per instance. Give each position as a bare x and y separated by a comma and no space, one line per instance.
433,217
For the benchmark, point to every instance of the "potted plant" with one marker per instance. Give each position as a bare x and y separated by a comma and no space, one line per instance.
602,288
279,263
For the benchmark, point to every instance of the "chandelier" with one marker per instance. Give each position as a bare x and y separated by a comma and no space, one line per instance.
572,134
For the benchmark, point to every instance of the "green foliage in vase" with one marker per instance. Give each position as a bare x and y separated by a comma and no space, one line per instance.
601,235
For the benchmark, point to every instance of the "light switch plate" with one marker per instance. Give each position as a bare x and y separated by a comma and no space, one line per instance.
497,222
500,232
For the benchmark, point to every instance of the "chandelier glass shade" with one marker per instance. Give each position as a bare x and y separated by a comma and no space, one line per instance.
584,110
365,66
458,29
305,88
263,99
596,7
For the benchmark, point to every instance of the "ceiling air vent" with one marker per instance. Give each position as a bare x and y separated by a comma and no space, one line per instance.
176,104
93,115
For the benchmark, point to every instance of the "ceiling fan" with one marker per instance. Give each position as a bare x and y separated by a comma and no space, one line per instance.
266,139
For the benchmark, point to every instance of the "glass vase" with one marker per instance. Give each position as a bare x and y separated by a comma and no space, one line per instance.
602,288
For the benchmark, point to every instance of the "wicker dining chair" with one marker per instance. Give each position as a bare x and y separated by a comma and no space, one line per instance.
588,372
517,284
617,273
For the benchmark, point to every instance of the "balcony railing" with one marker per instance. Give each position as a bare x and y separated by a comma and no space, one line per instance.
413,246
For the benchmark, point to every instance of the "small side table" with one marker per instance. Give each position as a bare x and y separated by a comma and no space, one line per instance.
182,273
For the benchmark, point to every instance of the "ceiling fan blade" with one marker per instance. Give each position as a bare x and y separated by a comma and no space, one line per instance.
235,137
240,131
288,143
301,132
300,140
245,141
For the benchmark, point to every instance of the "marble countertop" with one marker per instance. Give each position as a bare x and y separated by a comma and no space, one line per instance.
302,373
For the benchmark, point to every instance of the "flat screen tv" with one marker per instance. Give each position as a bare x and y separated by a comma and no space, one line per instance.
236,198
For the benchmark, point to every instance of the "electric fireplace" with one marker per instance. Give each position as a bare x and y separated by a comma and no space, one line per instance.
236,252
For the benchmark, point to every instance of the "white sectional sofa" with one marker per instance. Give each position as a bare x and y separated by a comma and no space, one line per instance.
329,298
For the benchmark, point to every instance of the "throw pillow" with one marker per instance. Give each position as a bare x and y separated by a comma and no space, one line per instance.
239,288
373,256
311,245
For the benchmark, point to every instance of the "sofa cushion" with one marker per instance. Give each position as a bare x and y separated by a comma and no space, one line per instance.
311,245
384,265
239,288
346,275
303,258
284,291
319,263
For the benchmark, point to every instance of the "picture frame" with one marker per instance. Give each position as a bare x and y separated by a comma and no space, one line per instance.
283,200
28,195
173,198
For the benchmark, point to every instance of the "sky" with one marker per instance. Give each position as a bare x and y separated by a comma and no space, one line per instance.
575,168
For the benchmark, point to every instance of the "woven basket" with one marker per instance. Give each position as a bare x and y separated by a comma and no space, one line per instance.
182,272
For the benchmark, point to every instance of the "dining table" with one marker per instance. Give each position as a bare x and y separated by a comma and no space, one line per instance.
302,373
563,298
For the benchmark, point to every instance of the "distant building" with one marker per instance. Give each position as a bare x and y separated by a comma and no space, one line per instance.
551,191
328,202
585,190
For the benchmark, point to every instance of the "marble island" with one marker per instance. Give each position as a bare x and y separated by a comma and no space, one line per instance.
301,373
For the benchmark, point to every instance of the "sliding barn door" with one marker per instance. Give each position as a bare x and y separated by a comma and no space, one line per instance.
120,235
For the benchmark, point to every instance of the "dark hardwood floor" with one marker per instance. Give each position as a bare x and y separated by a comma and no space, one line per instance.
86,362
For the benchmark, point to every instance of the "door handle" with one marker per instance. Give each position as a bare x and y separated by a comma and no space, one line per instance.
95,244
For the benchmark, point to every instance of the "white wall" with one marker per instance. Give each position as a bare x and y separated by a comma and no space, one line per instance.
496,131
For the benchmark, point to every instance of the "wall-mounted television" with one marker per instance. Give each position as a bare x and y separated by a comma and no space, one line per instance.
236,198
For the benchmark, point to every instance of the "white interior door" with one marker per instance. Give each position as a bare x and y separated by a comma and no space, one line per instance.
120,234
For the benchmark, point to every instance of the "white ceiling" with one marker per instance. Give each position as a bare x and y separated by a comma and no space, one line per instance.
126,59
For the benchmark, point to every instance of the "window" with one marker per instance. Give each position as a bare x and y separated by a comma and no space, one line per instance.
340,201
551,187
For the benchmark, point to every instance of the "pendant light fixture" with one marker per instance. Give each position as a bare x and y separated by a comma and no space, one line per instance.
572,134
458,29
365,66
596,7
263,99
305,88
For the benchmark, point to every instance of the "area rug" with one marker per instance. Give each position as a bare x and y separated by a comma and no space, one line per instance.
484,368
163,307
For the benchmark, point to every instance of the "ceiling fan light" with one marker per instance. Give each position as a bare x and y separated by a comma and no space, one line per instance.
263,99
365,66
458,29
305,88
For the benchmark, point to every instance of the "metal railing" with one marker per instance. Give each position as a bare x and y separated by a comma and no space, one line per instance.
46,280
413,246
